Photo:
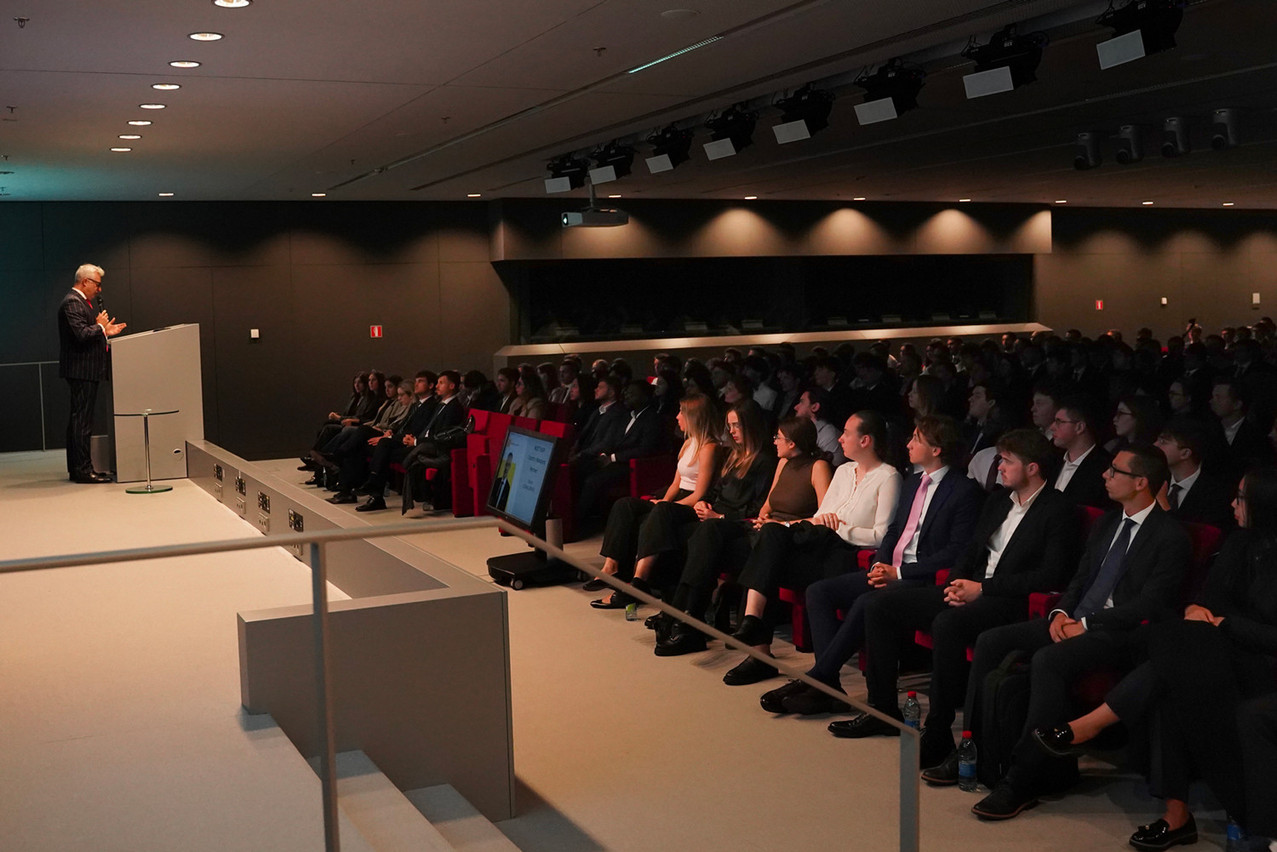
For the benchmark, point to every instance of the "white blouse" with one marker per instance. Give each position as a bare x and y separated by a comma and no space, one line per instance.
687,467
865,509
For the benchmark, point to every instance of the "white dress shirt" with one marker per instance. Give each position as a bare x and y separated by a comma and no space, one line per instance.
1002,535
865,508
910,554
1069,468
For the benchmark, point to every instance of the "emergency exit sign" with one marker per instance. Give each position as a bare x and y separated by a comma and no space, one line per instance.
374,331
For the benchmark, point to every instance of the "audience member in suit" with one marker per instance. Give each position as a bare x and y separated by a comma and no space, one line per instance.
1199,671
825,375
432,451
799,487
567,373
605,462
693,476
931,523
1081,473
394,447
476,391
1258,377
1247,445
600,430
1024,542
986,420
789,377
811,404
507,378
1136,420
1194,493
1199,376
1044,404
356,456
953,390
84,360
529,395
1131,571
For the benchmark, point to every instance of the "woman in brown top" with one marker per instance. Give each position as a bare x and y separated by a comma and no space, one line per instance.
802,478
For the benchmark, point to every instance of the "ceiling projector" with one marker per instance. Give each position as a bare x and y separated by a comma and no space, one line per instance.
595,217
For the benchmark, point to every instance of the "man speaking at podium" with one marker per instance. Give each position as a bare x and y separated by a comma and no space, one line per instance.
84,359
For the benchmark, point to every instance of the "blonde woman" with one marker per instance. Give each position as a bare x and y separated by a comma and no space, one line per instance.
692,480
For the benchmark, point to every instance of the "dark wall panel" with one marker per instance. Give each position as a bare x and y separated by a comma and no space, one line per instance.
20,389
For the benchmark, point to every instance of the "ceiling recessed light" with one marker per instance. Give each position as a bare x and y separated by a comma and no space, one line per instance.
232,4
206,36
139,122
963,200
121,150
151,106
166,195
1061,201
184,63
1147,203
614,196
1228,204
166,87
474,195
319,195
858,198
129,136
751,197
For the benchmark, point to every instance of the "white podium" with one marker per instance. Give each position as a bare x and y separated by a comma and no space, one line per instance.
157,370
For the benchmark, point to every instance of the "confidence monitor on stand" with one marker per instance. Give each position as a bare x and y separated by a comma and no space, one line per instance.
520,494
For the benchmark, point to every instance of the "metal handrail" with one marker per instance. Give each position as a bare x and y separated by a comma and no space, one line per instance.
909,737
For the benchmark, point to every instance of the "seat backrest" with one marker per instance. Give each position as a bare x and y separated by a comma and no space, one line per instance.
525,423
480,420
1205,541
563,431
1087,518
498,425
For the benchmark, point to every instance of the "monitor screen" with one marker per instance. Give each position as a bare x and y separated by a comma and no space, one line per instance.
523,476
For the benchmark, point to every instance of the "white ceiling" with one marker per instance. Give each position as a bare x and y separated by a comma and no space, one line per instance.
426,99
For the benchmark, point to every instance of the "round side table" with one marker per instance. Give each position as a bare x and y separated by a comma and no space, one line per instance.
146,416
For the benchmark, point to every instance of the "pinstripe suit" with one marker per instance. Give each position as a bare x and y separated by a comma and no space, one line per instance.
83,360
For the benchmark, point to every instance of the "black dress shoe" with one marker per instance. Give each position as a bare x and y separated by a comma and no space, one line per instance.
1057,742
681,640
944,773
342,497
863,725
92,478
1004,803
314,480
664,626
749,671
773,700
1159,835
935,747
595,585
374,504
813,702
618,600
752,631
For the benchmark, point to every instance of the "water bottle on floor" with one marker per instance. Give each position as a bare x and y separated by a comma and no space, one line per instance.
913,710
1235,838
967,764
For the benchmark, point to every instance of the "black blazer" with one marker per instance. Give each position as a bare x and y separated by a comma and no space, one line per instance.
446,416
1086,488
1040,555
1149,589
418,417
643,438
602,430
1208,502
946,528
82,347
1242,588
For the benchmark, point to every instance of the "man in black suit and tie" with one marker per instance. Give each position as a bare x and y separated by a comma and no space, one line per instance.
1247,445
387,448
935,516
603,425
1025,541
1131,571
639,434
1081,472
1195,493
84,359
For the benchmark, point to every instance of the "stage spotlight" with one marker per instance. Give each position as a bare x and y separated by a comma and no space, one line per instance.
669,148
890,92
1223,133
732,131
1086,154
1007,62
1140,28
566,173
803,113
611,162
1130,147
1175,137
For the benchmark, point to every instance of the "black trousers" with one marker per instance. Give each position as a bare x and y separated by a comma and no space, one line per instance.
438,491
1055,668
795,557
891,618
84,395
622,535
594,483
1257,728
715,546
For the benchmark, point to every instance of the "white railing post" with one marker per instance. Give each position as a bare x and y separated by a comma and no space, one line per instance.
323,696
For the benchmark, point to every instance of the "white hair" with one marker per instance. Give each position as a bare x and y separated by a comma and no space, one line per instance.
86,270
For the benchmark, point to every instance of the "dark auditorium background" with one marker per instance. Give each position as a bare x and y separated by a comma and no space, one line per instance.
448,281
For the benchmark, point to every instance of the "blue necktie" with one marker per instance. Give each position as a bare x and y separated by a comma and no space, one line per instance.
1106,578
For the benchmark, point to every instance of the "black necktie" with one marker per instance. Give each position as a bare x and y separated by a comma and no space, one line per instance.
1172,495
1106,578
991,479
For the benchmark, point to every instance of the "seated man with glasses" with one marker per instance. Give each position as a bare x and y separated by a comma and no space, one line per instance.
1130,572
1081,474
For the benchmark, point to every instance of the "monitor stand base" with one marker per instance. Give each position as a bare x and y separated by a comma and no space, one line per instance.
532,568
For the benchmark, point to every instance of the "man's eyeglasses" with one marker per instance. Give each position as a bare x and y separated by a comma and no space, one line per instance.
1114,469
1060,421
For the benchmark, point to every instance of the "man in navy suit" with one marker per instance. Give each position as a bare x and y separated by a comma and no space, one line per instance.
934,519
84,359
